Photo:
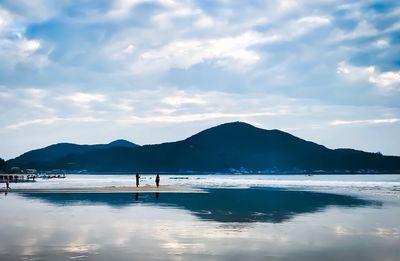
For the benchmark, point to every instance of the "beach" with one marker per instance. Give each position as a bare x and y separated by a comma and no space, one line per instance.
106,189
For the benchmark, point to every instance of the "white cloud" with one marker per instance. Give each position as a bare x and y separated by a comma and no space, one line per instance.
129,49
393,28
27,47
36,92
286,5
5,94
165,105
363,29
314,20
204,22
192,117
122,8
354,72
4,19
307,24
20,50
51,120
184,54
386,81
31,122
37,10
364,122
84,98
175,9
382,43
106,43
178,100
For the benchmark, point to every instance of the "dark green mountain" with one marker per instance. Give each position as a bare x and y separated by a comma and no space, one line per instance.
60,150
3,165
227,147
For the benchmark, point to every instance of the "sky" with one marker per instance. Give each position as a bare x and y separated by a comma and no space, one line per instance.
153,71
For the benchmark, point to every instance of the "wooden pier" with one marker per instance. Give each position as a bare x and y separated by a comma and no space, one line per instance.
15,178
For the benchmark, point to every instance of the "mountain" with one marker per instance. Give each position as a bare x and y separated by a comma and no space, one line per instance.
61,150
227,147
121,143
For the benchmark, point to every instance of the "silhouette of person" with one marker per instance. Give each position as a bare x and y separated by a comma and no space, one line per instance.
7,184
158,180
157,195
137,194
137,179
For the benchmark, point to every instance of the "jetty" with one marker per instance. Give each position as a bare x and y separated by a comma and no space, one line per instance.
14,178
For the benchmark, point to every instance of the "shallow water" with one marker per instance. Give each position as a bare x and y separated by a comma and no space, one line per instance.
370,185
224,224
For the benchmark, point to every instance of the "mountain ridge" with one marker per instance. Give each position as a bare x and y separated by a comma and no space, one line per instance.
234,146
62,149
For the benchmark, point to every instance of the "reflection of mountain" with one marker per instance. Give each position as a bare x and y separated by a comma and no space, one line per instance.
222,205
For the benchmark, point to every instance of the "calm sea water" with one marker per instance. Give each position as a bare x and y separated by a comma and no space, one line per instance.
229,222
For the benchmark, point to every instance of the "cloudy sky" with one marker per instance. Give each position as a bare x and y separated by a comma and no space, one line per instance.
152,71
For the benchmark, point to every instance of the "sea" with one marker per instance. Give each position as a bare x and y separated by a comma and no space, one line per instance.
227,217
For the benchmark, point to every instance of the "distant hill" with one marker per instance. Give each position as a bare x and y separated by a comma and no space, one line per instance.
228,147
61,150
120,143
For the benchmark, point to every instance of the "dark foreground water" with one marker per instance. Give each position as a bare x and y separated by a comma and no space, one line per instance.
224,224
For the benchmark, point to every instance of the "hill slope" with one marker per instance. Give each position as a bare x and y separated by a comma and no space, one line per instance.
222,148
61,150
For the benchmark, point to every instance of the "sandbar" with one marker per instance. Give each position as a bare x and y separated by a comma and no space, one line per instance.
109,189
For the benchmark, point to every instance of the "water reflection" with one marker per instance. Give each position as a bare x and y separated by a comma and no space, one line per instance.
221,205
148,226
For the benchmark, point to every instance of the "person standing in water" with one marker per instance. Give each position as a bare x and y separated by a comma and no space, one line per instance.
137,179
158,180
7,184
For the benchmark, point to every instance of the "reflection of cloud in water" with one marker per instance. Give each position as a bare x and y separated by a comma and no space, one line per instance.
222,205
81,246
391,233
77,257
118,227
175,247
31,246
341,230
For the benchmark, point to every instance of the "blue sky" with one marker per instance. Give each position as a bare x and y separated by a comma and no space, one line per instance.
152,71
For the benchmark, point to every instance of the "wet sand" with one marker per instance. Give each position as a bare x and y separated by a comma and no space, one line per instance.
110,189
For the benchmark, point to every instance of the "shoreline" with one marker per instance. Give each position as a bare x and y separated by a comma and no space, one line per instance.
108,189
